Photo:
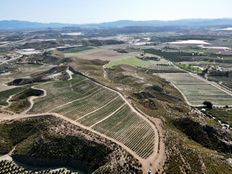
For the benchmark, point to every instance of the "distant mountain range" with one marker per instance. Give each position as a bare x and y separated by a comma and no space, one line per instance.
14,24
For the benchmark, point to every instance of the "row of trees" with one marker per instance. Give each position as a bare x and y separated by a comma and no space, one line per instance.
8,167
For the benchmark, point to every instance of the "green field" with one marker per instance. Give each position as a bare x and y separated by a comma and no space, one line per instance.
189,68
130,59
4,95
225,116
197,91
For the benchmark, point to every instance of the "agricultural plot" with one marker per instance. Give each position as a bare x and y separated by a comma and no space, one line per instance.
130,59
101,53
71,51
98,108
224,80
163,68
225,116
128,128
106,110
196,90
81,107
4,95
63,94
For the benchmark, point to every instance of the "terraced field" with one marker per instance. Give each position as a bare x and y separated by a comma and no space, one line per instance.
128,128
97,108
61,94
107,110
196,90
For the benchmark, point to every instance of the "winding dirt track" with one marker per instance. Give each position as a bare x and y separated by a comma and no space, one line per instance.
157,159
154,162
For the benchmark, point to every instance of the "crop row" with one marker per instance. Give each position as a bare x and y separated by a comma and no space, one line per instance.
181,78
94,106
57,95
128,128
108,109
9,167
196,90
93,102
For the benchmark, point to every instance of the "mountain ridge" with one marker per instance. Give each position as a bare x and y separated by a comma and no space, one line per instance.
17,24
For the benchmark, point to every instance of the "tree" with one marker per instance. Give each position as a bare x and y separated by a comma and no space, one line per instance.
208,104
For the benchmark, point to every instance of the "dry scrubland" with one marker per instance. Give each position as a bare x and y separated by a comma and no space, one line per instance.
96,107
47,141
197,91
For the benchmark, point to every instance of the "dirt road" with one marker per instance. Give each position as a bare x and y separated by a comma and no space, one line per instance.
154,162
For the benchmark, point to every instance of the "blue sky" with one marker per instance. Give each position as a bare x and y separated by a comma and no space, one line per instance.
95,11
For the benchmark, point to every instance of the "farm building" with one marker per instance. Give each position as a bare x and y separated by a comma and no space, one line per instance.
218,71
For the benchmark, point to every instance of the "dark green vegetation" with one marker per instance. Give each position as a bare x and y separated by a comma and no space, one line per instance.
224,115
205,135
186,157
174,56
19,102
151,94
27,93
9,167
19,106
40,45
4,95
74,49
189,68
19,98
121,50
46,141
97,42
223,79
24,81
176,37
57,72
47,57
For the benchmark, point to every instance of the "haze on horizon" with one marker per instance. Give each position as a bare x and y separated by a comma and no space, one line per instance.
93,11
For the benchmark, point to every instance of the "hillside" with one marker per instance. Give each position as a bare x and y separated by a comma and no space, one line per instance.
47,141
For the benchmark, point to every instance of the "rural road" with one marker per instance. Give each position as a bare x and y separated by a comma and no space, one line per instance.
144,163
155,161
